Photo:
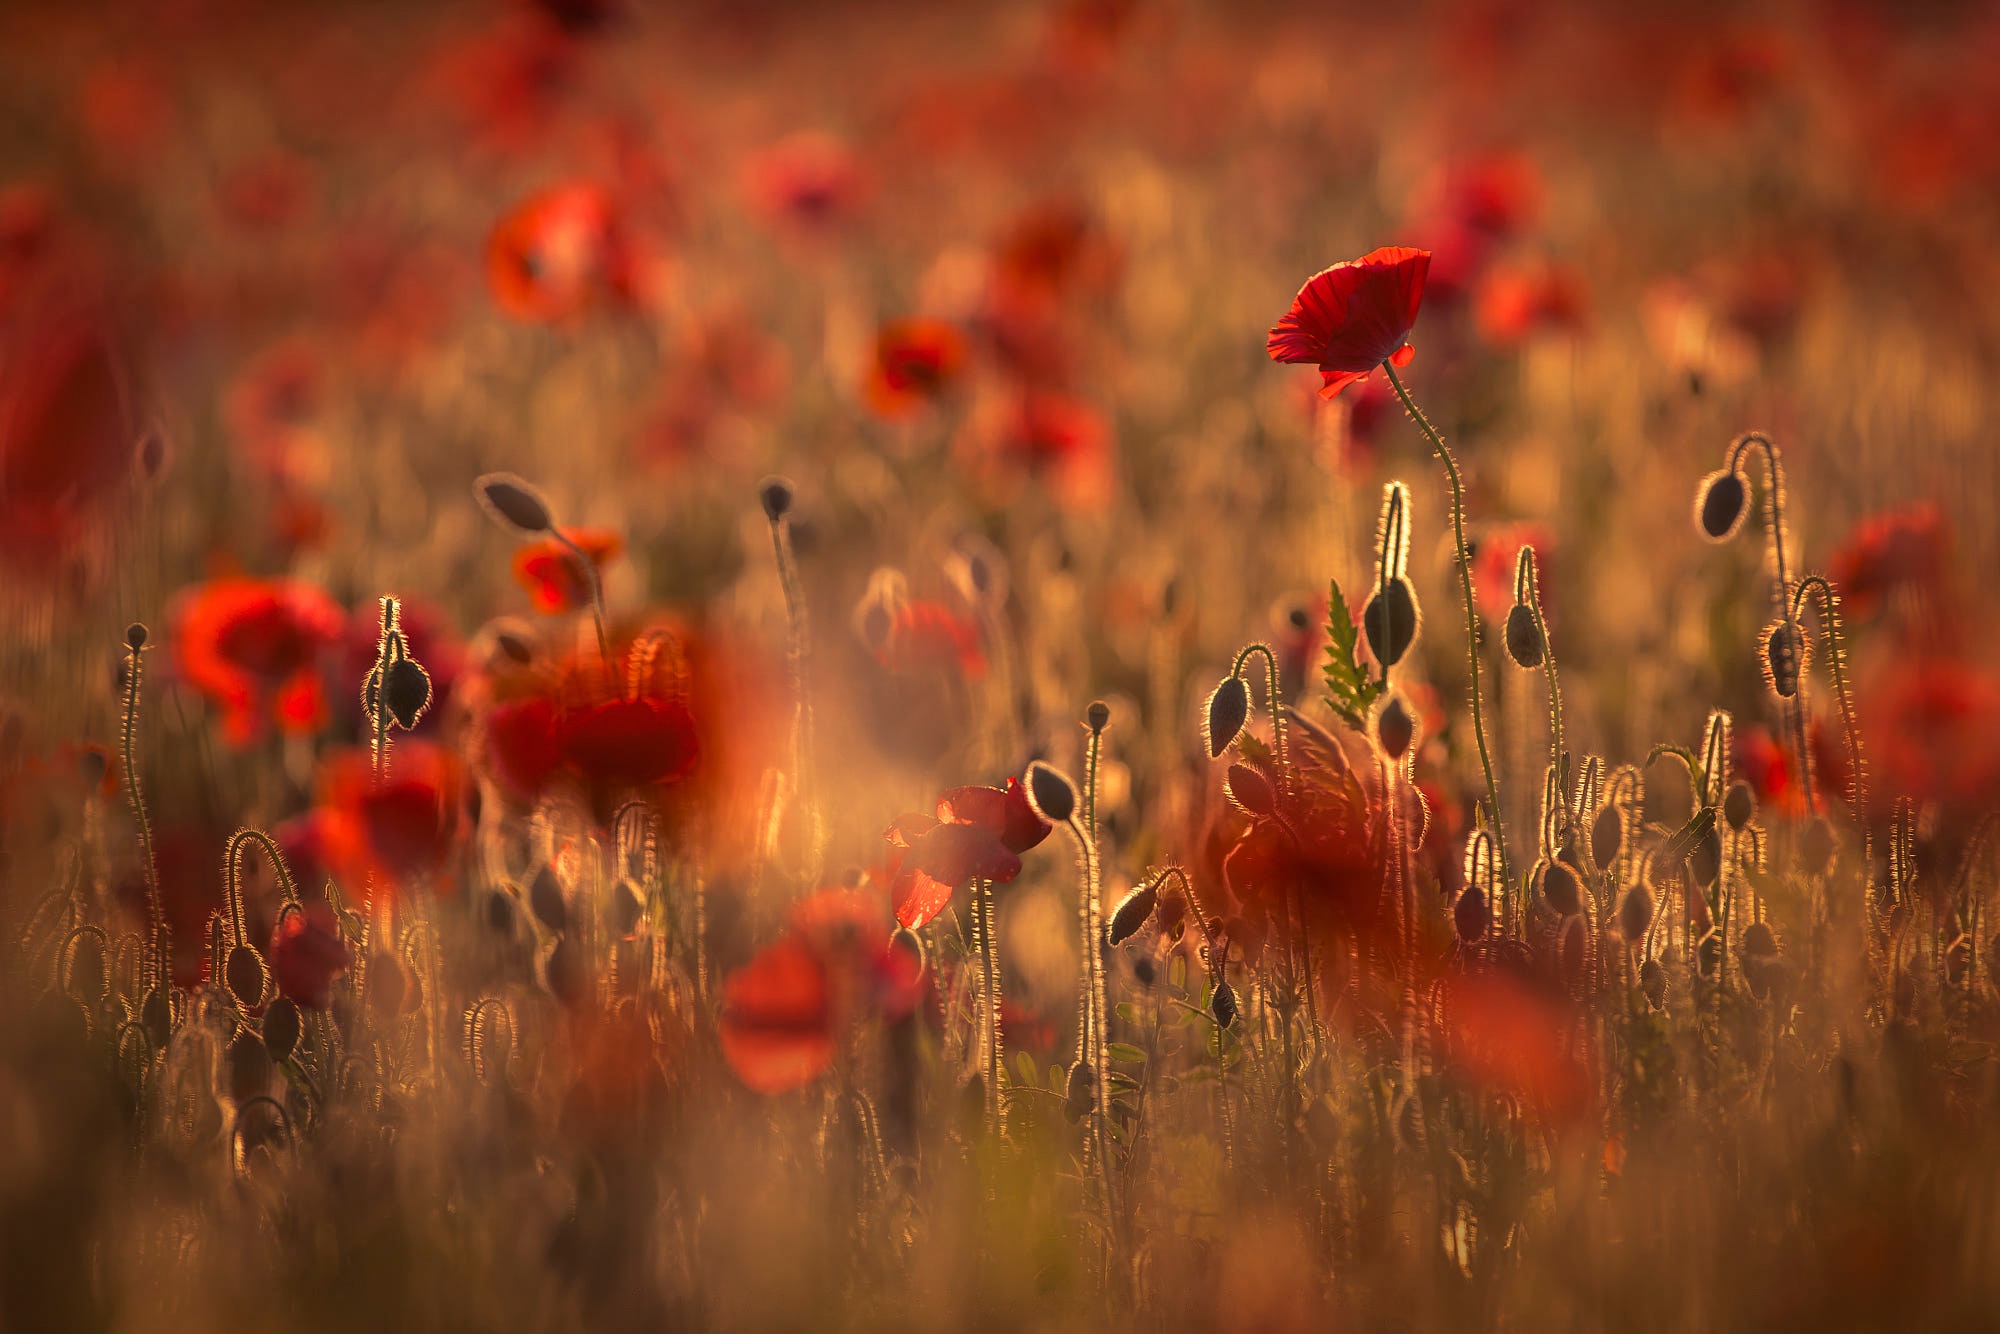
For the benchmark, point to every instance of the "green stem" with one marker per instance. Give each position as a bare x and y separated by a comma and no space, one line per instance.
1471,612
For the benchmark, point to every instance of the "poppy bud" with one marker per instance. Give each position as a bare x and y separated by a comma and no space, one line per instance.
628,908
281,1029
1222,1005
1705,858
1816,848
1653,981
1390,621
1131,913
156,1016
1143,971
388,986
407,693
249,1067
565,973
1721,505
1739,805
545,899
776,495
1077,1089
1053,795
1098,716
499,914
1228,710
1783,659
1561,889
1635,914
1758,941
135,636
243,971
513,503
1249,789
1524,637
516,647
88,979
1395,728
1472,916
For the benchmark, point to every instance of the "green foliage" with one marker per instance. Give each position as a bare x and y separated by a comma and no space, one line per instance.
1348,688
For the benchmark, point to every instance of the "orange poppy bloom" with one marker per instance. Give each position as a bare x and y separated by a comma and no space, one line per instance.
547,569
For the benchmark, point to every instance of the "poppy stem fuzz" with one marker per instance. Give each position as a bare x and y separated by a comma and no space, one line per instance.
1273,702
128,746
1464,562
1793,709
1528,594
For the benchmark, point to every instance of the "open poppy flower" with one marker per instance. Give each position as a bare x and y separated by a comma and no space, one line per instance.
547,569
397,828
307,954
978,833
560,253
915,361
1351,318
251,646
784,1011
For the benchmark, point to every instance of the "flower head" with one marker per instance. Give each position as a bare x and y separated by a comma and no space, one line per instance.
977,833
395,828
307,953
561,252
548,570
251,646
1351,318
915,361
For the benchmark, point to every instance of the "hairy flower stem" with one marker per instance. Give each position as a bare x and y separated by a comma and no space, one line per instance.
1274,702
232,868
1092,1039
1774,512
1836,652
989,968
1464,562
1530,595
156,916
812,832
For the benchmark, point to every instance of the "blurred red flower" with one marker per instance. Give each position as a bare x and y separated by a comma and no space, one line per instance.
307,954
251,646
977,832
1767,767
401,826
560,253
908,636
1512,303
272,404
809,182
1352,317
66,444
548,570
1931,731
1887,553
1061,440
1495,554
915,361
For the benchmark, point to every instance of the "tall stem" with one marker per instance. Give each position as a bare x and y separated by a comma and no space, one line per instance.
1274,702
588,568
1471,612
128,749
1774,510
802,717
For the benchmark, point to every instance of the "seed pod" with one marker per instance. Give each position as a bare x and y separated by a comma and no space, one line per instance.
243,971
1228,710
1098,715
1249,789
775,494
1653,982
545,900
513,503
1053,795
1816,848
1472,916
1635,914
1705,858
281,1028
408,692
1561,889
1739,805
1784,658
1131,913
1759,941
1390,622
249,1067
1395,728
1222,1005
156,1016
135,636
1524,637
1721,504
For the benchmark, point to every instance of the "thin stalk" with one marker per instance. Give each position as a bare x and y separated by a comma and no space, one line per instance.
588,568
128,750
802,717
1533,600
1774,509
1274,703
1471,612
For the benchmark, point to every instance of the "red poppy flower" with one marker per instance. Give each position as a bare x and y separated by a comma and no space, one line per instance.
1351,318
1063,441
808,182
1047,252
783,1012
251,647
1886,553
915,361
547,569
65,443
307,953
560,253
396,828
1767,767
1496,552
979,832
1931,729
1512,303
1505,1033
916,636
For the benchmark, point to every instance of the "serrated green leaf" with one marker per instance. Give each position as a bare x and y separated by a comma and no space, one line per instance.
1348,688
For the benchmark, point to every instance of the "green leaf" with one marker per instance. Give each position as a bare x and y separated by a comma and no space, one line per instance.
1348,688
1026,1065
1126,1052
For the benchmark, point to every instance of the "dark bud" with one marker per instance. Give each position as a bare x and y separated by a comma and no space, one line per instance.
1390,621
1782,659
1705,859
1079,1092
1131,914
500,913
1561,889
1721,505
1635,914
627,906
1053,795
1228,710
567,977
281,1029
1816,848
1739,805
91,767
156,1016
776,495
1249,789
1098,715
545,899
513,503
1472,916
246,977
515,647
88,978
1222,1005
1758,942
1395,728
152,454
249,1067
408,692
388,986
135,636
1653,981
1524,637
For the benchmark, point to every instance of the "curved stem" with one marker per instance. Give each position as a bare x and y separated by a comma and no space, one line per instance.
1533,600
1273,703
1464,563
232,874
588,568
1829,615
1774,509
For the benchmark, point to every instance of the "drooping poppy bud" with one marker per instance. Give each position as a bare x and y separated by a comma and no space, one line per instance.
513,503
1739,806
1395,727
1635,914
1561,889
1472,916
1524,637
1721,504
1784,658
1251,790
1053,794
1222,1005
1131,913
1228,710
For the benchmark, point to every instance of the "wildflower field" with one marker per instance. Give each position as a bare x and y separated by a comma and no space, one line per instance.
1058,665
